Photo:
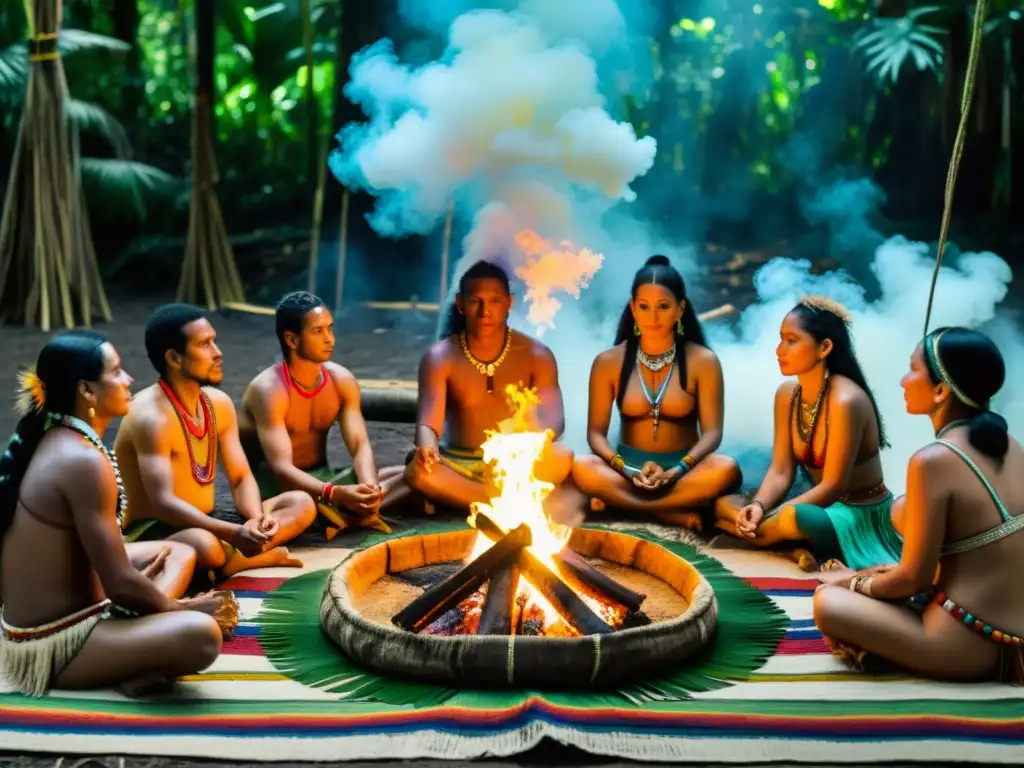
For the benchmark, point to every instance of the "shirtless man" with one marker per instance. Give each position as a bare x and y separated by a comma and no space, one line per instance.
168,447
458,399
288,410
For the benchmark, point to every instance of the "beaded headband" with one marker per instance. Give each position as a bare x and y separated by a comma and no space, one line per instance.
31,393
931,349
824,304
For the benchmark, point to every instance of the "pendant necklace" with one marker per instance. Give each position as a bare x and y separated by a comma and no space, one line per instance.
654,400
77,425
486,369
656,362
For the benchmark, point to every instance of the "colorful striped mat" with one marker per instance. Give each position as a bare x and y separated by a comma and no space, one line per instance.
801,706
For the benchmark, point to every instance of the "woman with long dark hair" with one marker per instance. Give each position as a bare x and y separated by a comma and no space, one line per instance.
962,523
667,386
827,423
76,612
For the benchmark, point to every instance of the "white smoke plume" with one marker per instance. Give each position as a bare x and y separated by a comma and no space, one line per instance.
512,124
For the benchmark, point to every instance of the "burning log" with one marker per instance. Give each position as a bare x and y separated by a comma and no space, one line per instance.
579,567
496,617
549,584
440,598
602,582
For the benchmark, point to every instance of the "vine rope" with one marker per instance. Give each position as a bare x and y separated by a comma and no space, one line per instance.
958,148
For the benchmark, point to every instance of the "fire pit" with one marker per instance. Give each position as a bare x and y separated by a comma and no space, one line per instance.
520,600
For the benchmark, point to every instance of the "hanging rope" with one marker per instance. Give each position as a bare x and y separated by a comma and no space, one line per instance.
958,148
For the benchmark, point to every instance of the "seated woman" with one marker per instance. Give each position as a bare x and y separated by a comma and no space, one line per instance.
667,385
962,519
826,422
76,612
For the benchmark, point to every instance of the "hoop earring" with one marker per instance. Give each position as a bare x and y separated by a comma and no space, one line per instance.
636,329
679,327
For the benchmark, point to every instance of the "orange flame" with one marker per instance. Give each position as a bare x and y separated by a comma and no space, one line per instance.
551,269
513,450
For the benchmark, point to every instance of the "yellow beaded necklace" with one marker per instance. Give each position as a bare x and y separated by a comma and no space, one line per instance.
486,369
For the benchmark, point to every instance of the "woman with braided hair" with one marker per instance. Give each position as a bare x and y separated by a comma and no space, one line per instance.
962,519
75,612
667,386
827,423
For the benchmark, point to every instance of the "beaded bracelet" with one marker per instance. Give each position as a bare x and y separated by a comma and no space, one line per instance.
616,462
327,494
862,584
687,463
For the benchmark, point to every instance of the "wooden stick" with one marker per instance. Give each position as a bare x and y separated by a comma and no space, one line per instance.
446,248
549,584
496,616
442,597
339,279
602,582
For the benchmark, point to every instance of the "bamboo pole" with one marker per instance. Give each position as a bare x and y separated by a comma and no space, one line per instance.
339,280
49,273
209,273
446,247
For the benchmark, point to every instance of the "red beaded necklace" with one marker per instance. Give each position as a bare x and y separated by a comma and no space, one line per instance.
202,475
289,381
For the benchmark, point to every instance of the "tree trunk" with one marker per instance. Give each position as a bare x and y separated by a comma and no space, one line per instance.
48,266
209,260
125,17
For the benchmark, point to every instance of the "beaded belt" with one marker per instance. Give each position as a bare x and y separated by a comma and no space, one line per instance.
867,494
25,634
973,622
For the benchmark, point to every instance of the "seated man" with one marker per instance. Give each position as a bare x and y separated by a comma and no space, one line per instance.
167,447
462,380
288,410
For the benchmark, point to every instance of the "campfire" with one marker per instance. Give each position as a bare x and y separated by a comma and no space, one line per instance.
521,578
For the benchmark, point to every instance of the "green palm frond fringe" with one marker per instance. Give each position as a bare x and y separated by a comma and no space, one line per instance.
750,627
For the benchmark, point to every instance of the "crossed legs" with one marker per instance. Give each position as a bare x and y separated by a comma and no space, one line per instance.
715,475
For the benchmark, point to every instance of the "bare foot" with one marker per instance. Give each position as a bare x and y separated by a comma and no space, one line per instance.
279,557
146,686
689,520
804,559
596,505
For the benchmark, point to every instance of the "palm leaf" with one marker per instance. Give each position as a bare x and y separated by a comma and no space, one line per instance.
13,72
120,183
75,40
891,42
91,117
750,627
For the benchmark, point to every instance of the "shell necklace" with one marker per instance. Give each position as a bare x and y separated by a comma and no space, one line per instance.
75,424
486,369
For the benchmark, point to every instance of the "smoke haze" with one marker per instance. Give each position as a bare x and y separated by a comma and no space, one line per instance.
515,127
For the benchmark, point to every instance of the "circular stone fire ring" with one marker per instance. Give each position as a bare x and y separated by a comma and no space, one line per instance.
624,656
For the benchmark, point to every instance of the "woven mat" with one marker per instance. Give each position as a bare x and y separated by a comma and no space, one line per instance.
799,706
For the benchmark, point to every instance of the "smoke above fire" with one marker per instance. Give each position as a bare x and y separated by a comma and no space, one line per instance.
515,127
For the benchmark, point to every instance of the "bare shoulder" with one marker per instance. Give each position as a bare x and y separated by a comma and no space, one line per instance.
701,359
345,382
846,394
223,405
610,359
149,412
785,391
340,375
439,355
79,460
263,387
539,351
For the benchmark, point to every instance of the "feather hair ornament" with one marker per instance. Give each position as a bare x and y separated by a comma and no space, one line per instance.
31,393
825,304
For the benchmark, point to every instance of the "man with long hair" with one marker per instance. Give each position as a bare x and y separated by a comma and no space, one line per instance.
168,447
288,410
462,382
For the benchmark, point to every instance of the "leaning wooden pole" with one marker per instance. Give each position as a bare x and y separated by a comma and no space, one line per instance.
209,274
48,268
